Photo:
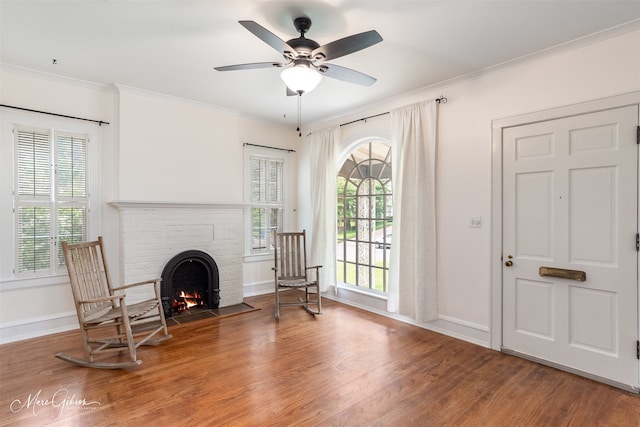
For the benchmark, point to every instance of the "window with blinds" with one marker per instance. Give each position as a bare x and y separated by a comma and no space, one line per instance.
51,197
267,201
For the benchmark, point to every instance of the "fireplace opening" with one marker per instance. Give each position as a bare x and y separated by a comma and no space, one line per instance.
190,282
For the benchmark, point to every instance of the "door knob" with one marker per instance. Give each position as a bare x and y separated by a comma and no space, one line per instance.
509,263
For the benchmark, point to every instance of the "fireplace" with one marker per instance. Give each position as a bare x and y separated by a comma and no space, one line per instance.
190,282
152,233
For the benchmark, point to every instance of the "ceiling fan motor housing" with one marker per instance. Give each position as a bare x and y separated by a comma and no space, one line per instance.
302,45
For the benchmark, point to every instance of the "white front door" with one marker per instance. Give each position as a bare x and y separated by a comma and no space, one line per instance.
570,189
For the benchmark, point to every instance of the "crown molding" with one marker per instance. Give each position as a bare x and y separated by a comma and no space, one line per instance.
57,78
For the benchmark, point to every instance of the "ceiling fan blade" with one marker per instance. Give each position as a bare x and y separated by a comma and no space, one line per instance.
346,74
269,38
251,66
346,45
291,93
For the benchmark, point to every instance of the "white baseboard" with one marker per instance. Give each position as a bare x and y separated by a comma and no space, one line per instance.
445,325
257,288
38,327
456,328
460,329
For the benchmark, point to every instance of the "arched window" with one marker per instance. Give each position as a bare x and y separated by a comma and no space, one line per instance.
365,216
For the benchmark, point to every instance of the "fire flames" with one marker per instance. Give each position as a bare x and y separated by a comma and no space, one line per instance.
186,300
191,300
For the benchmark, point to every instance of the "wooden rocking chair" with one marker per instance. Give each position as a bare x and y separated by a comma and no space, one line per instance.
291,271
107,323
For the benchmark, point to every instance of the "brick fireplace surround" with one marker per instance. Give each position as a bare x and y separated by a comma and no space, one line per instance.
153,233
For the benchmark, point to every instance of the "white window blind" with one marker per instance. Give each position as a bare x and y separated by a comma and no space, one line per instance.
72,166
46,160
267,201
34,163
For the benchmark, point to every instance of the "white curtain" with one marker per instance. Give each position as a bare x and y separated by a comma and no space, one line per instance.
412,281
323,203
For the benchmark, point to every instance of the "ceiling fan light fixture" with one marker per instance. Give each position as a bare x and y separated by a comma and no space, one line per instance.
301,78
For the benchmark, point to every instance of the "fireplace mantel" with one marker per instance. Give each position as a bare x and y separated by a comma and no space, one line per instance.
139,204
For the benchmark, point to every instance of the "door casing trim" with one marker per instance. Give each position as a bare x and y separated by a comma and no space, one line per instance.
497,127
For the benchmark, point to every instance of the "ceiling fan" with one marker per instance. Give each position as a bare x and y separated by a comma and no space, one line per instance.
305,59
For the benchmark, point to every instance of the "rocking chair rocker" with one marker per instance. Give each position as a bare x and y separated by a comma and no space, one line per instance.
291,271
107,323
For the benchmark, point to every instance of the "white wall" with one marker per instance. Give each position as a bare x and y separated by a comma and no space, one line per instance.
175,150
567,76
30,307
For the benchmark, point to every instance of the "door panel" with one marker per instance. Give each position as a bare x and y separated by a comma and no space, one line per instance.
533,214
570,202
593,315
534,308
592,207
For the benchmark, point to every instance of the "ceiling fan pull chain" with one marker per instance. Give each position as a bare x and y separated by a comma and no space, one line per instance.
299,114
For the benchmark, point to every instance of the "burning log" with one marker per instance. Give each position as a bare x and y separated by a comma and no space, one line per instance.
184,301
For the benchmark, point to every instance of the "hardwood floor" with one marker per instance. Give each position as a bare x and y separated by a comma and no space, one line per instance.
344,368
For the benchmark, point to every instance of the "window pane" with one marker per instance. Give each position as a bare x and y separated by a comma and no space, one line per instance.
341,272
34,163
34,239
350,211
380,279
350,251
72,227
388,207
258,179
258,223
275,181
276,220
364,230
363,276
71,171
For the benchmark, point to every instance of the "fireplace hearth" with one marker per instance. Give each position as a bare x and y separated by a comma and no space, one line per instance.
190,282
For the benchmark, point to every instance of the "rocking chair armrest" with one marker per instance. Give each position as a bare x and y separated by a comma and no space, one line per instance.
102,299
131,285
317,269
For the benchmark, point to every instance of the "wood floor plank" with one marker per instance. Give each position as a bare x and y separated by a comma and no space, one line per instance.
346,367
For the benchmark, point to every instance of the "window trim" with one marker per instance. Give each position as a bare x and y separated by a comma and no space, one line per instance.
54,200
263,152
9,277
346,155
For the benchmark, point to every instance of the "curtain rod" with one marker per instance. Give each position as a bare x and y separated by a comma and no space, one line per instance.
288,150
99,122
440,100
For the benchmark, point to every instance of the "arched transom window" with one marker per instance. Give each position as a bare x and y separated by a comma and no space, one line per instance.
365,217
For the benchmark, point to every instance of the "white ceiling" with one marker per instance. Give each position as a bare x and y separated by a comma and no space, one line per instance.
171,47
